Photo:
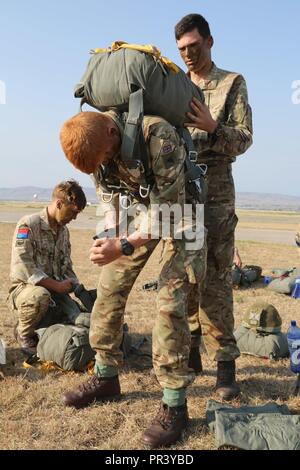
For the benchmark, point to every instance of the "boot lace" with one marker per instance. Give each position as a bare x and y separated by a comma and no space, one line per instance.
164,418
91,384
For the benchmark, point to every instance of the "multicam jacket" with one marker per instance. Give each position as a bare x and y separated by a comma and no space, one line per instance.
38,252
227,99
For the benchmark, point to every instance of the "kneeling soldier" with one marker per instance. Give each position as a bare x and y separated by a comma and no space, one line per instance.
41,267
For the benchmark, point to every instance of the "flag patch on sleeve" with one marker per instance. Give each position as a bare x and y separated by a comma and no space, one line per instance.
23,233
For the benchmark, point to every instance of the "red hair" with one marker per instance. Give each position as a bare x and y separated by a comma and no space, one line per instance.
81,138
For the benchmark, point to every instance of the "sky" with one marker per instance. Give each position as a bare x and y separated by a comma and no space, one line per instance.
44,49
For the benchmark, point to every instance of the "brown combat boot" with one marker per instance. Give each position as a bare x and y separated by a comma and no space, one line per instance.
28,344
195,362
167,426
96,388
226,386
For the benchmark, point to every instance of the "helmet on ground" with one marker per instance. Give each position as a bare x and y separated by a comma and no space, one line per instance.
263,317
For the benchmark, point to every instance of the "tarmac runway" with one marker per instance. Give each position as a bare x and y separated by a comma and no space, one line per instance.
88,220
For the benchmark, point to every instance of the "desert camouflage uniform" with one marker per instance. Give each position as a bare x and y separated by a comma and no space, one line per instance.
180,268
226,96
40,255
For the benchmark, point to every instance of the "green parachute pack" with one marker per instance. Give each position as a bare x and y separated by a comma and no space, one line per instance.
260,333
138,80
68,345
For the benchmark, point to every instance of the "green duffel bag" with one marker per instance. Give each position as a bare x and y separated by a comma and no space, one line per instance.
66,345
286,283
271,346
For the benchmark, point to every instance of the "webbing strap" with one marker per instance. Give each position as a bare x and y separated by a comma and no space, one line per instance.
132,127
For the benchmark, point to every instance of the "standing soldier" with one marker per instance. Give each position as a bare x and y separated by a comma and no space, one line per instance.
92,142
222,129
41,267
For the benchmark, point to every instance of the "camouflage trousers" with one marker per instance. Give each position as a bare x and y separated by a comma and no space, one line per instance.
180,270
214,320
38,308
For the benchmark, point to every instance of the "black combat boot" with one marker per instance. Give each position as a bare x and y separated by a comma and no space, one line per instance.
96,388
226,386
167,426
195,362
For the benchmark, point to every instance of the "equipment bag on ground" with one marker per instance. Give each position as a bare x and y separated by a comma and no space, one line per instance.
260,333
286,282
68,345
246,275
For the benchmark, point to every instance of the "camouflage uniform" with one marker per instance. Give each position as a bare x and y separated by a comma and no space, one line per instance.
38,253
297,240
180,268
226,97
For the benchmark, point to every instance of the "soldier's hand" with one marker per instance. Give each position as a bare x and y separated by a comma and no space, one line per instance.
65,287
200,117
105,251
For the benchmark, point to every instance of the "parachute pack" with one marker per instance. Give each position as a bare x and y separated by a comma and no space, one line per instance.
68,345
137,79
260,333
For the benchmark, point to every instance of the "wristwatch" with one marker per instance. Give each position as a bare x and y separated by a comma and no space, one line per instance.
126,247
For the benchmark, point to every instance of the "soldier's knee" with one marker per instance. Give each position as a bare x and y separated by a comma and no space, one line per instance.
36,303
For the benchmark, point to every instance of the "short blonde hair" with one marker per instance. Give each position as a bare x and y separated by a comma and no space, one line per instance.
82,138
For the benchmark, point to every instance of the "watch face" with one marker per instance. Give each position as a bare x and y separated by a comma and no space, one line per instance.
127,248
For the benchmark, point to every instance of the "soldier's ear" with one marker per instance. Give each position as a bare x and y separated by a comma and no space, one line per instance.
210,41
59,204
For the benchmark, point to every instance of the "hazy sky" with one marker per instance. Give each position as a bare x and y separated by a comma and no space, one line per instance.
44,48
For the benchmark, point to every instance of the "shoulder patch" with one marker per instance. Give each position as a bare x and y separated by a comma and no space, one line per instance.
23,233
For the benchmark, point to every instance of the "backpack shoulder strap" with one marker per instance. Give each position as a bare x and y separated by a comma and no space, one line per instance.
194,174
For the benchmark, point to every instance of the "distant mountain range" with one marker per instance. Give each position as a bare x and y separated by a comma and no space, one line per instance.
259,201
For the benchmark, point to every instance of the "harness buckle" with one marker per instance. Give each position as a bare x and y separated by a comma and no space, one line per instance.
125,202
193,156
144,192
107,197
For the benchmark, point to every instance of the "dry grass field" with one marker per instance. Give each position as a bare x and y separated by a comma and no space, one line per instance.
32,415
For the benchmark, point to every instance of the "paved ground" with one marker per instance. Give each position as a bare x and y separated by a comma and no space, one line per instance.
286,237
259,226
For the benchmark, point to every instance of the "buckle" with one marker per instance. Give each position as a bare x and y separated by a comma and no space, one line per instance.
107,197
144,192
203,167
193,156
125,202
